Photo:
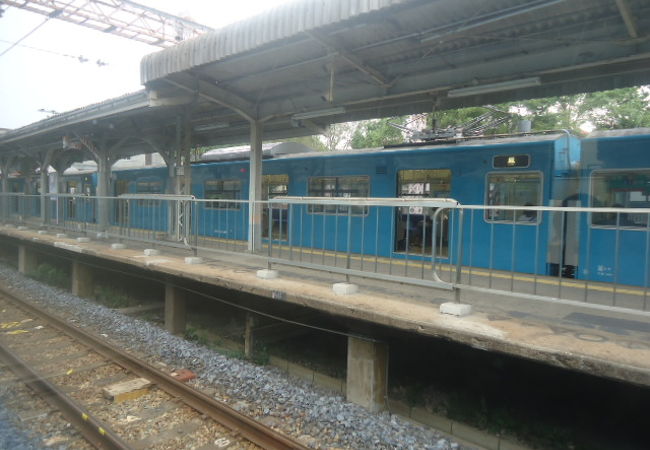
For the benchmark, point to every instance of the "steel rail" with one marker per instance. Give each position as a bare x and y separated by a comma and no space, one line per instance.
95,431
250,429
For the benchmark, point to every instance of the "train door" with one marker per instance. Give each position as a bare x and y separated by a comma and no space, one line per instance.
275,186
71,187
121,206
413,225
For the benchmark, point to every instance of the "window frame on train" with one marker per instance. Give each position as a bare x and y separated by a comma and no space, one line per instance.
222,194
523,217
612,220
338,181
148,182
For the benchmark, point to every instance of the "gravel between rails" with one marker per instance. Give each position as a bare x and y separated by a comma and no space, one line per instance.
319,418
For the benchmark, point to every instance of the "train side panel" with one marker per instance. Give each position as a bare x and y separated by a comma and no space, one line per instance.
616,173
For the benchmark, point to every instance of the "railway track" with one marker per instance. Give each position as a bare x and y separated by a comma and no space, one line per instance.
71,369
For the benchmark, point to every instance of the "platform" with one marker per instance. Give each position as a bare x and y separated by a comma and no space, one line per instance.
611,344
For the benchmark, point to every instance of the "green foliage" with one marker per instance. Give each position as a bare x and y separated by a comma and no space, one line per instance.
261,355
49,274
618,108
113,298
377,133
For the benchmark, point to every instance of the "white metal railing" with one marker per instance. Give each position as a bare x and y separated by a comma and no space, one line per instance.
599,256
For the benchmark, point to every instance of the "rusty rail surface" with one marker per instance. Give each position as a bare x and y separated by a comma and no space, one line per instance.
95,432
221,413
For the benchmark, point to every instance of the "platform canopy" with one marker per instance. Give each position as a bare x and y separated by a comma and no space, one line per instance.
306,64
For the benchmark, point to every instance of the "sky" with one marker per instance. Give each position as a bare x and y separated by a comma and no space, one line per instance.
32,79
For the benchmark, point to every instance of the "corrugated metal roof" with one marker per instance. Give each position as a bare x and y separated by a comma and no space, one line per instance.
276,24
104,108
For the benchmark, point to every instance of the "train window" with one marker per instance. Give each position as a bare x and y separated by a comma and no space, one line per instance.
224,190
347,187
71,187
510,161
414,224
275,186
620,189
513,189
148,187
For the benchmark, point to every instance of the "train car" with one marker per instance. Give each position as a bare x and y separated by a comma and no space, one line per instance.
79,180
514,171
223,176
615,173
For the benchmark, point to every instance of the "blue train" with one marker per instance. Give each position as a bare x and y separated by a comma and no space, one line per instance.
606,169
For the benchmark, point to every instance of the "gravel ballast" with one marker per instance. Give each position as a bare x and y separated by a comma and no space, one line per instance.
319,418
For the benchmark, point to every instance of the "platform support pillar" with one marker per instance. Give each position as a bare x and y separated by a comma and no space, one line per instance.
44,164
367,373
175,309
255,188
82,280
249,335
5,167
103,185
27,260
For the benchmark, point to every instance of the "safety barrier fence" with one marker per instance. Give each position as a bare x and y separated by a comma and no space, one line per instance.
599,256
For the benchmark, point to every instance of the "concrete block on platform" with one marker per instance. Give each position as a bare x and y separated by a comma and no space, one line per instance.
83,239
61,235
267,274
42,232
118,246
22,228
345,288
193,260
151,252
102,235
127,390
456,309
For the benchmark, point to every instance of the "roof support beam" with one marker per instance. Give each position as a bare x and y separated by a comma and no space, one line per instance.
214,94
357,62
628,18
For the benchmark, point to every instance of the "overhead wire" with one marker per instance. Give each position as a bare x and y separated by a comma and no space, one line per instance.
25,36
80,58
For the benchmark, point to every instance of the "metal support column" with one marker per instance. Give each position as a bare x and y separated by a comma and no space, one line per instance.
255,189
104,163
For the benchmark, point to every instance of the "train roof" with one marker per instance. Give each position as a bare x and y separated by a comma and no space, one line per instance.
471,142
599,134
269,150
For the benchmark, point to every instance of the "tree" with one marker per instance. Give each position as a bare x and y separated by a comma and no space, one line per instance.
377,133
337,136
618,108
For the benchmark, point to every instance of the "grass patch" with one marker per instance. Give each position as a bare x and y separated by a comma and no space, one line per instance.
49,274
113,298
